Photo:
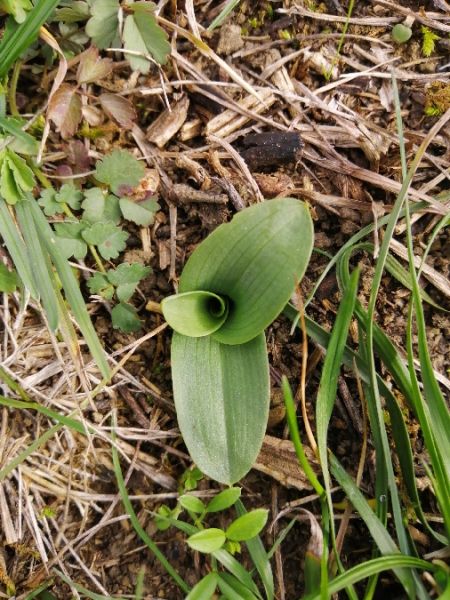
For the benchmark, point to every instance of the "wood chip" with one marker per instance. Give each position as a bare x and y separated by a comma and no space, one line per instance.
278,459
168,123
229,121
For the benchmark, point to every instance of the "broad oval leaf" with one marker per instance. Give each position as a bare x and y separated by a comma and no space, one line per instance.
224,500
256,261
208,540
195,313
247,526
64,110
221,396
191,503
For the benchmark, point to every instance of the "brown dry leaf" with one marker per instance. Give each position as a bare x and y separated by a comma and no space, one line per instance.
65,110
92,68
118,108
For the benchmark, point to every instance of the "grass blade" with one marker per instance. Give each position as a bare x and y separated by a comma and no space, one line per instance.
82,590
51,414
39,262
372,567
151,545
227,10
16,249
328,382
72,290
16,40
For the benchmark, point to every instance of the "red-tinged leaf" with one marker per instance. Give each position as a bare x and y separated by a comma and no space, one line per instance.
91,67
78,156
65,110
118,108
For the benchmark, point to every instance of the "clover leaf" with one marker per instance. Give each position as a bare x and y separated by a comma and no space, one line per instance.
109,239
124,316
120,170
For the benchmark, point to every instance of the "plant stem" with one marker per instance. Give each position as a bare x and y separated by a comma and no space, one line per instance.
12,89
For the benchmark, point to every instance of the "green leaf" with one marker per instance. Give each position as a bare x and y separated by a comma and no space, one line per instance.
22,142
8,186
371,567
68,194
204,589
17,8
233,589
141,213
247,526
69,240
326,395
224,500
207,541
39,260
259,557
222,400
16,40
16,249
120,170
401,33
100,207
126,277
93,205
124,317
99,284
49,203
142,34
103,26
78,10
195,314
8,279
191,503
109,239
71,288
255,261
23,175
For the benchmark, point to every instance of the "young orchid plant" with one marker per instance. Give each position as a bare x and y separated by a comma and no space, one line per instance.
233,286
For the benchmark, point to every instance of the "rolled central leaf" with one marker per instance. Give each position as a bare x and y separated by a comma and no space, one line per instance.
195,314
255,260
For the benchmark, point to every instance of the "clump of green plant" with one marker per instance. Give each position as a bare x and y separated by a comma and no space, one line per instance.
218,543
120,283
17,8
437,99
98,229
429,39
233,286
141,34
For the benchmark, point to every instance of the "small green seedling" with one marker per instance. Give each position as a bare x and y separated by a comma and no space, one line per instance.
220,544
401,33
233,286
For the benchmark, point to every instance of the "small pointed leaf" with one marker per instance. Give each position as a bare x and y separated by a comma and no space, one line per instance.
247,526
191,503
207,540
224,500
